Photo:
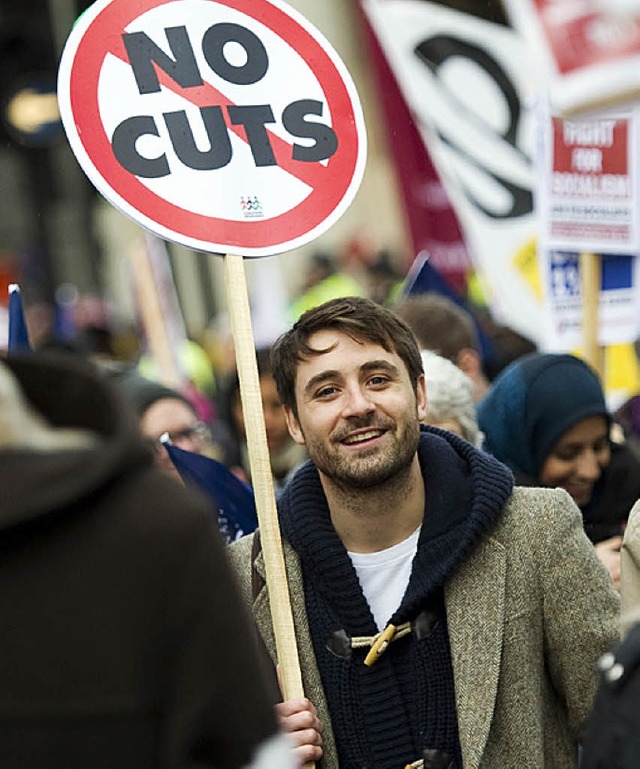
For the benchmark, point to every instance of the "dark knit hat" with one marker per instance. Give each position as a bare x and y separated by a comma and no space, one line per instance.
142,393
532,403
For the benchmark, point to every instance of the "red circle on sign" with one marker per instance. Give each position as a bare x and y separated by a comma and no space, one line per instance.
333,184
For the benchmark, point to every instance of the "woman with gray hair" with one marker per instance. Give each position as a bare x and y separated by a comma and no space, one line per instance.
450,403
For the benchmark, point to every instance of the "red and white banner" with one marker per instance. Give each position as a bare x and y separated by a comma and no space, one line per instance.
464,80
588,199
589,49
588,203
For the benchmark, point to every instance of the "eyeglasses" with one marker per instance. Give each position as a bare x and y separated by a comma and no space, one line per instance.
198,433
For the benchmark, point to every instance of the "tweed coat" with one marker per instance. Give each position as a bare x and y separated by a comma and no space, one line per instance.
529,613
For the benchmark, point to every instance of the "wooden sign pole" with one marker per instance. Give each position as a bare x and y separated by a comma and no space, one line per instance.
261,477
590,279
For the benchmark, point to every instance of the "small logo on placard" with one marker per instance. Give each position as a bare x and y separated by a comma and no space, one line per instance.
251,207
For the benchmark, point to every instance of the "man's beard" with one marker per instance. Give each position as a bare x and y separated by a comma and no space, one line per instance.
373,467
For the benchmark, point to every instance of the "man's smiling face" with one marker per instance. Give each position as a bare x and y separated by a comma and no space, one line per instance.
358,411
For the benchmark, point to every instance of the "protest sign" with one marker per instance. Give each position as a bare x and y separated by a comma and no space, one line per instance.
229,126
587,203
588,194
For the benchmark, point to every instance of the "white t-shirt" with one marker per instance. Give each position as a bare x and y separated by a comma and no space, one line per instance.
384,576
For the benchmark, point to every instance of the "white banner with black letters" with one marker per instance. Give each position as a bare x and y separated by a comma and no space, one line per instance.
463,79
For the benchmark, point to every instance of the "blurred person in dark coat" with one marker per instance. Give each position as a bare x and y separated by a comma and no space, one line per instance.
123,643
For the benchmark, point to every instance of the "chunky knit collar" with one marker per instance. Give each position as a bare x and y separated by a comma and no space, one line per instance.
466,490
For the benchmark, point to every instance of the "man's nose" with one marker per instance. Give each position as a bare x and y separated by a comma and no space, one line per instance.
357,402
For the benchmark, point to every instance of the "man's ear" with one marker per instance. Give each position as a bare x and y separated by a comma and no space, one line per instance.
421,397
293,425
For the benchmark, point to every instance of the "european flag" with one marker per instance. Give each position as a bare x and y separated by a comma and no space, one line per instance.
233,497
18,335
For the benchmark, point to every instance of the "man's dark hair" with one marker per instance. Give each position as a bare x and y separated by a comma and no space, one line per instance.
439,324
361,319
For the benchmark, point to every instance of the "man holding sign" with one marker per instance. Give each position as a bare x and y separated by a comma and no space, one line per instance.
444,618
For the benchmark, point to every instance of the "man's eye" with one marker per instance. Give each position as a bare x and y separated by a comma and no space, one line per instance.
378,380
325,392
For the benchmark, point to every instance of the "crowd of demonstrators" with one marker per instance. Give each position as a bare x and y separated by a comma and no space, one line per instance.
284,453
124,643
430,573
323,280
545,416
431,597
450,404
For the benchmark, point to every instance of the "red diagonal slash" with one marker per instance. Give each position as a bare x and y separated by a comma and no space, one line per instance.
312,174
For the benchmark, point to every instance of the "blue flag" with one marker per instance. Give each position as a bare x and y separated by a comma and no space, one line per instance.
423,278
234,498
18,335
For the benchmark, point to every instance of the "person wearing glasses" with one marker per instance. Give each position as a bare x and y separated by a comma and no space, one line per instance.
163,410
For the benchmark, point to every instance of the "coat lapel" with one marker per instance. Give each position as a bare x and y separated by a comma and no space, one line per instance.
475,615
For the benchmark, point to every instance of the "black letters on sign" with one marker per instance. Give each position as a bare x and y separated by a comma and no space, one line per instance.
124,148
219,153
293,119
143,52
213,43
145,57
253,119
434,52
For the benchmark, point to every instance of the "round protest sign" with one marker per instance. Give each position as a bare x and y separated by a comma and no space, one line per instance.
226,125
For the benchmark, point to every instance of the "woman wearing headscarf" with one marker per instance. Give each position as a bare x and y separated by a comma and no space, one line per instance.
545,416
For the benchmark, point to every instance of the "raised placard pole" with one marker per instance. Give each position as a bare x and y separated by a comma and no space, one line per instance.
152,317
590,279
261,477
